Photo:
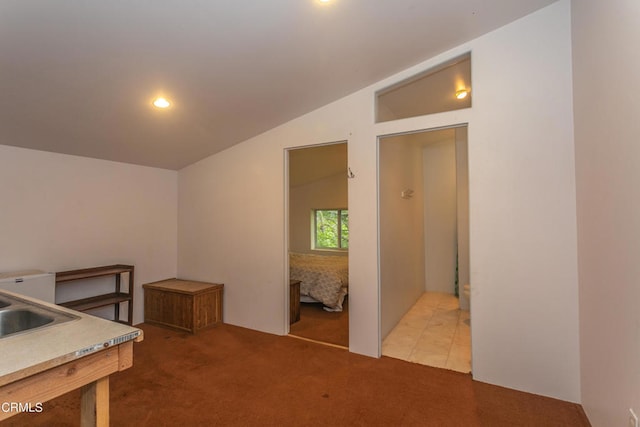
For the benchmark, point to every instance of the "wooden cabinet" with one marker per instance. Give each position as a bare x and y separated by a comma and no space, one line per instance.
183,304
112,298
294,301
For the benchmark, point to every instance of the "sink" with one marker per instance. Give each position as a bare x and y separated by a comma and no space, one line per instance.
21,316
12,321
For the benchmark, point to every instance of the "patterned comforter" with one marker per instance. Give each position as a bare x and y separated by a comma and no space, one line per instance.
323,278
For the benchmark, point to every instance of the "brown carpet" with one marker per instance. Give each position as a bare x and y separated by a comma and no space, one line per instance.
231,376
317,324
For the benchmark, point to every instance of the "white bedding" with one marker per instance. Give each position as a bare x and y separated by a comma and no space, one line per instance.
323,278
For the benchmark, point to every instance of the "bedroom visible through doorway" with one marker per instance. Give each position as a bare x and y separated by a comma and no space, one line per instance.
318,243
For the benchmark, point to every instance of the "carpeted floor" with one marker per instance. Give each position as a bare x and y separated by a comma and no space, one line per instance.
317,324
231,376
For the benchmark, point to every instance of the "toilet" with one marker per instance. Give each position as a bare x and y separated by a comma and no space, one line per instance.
466,301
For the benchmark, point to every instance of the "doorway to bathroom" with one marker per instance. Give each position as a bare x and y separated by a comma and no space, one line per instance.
423,197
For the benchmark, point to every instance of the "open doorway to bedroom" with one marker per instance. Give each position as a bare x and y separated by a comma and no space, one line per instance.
424,247
318,243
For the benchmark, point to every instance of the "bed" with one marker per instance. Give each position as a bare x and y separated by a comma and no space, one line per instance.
322,278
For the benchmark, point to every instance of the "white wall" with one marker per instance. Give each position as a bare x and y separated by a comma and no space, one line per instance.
524,298
231,230
606,104
522,207
327,193
462,213
440,216
401,228
63,212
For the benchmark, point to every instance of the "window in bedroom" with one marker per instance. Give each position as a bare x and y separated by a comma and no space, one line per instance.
331,229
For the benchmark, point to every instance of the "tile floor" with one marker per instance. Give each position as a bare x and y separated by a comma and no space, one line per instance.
434,332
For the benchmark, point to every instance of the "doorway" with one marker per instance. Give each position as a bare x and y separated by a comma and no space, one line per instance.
317,243
424,247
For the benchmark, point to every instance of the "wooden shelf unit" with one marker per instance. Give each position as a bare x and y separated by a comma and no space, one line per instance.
104,300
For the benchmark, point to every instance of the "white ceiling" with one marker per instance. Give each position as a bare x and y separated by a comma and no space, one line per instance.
78,76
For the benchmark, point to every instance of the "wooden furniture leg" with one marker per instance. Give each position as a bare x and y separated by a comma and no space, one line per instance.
94,409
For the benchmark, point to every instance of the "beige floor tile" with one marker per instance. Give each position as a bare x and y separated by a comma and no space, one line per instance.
462,339
444,324
397,351
458,365
464,324
429,359
400,342
402,335
433,333
447,313
417,319
459,358
444,317
444,331
433,344
449,302
429,299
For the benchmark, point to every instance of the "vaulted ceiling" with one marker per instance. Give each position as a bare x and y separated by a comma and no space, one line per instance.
79,77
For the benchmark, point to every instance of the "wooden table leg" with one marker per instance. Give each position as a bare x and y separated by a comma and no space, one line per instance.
94,409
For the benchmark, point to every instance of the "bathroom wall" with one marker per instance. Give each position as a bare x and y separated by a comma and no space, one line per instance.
440,214
401,228
462,200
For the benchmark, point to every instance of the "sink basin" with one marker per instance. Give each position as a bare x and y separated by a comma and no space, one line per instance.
22,316
12,321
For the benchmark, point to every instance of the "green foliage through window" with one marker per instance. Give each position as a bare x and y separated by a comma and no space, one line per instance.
331,228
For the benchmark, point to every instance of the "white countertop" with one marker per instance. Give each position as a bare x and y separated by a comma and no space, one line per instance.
20,273
27,353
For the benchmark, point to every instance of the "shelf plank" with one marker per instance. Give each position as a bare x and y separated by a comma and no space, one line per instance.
97,301
88,273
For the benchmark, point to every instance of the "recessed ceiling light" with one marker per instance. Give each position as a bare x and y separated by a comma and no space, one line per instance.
324,1
161,103
462,93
